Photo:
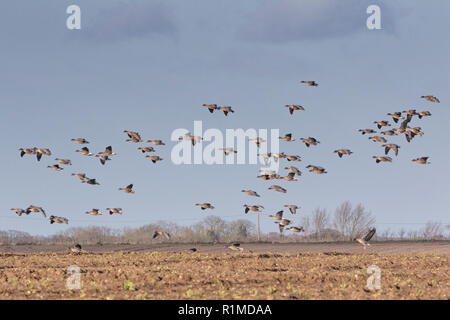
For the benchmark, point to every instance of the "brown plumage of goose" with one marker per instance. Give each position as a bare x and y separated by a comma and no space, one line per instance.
127,189
287,137
235,247
378,139
396,116
381,124
193,139
316,169
293,169
156,142
293,107
85,152
103,158
258,141
379,159
154,159
250,193
341,152
424,114
81,176
366,131
94,212
270,176
55,219
90,181
310,141
365,240
422,160
205,206
114,210
66,162
310,83
157,234
80,140
255,208
133,136
228,151
226,109
41,151
296,229
293,158
18,211
277,216
290,177
32,208
431,98
108,152
389,133
210,107
24,151
55,167
391,146
292,208
277,188
146,149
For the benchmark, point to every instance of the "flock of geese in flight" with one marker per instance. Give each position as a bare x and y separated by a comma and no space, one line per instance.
404,118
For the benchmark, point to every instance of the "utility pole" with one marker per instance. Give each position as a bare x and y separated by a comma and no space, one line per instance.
259,229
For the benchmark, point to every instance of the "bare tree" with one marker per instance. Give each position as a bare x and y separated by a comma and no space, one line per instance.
432,230
352,222
319,221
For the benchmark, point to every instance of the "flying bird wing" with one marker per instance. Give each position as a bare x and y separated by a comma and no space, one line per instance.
370,234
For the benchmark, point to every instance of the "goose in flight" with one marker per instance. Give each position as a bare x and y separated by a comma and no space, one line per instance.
85,152
269,176
108,152
381,124
133,136
287,137
157,234
76,249
379,159
193,139
310,83
293,107
40,152
366,131
389,133
66,162
90,181
255,208
293,158
292,207
341,152
55,167
32,208
226,109
396,116
154,159
293,169
24,151
258,141
94,212
277,188
211,107
81,176
378,139
80,140
156,142
316,169
251,193
422,160
365,241
310,141
431,99
390,146
127,189
18,211
103,158
410,113
415,131
290,177
282,223
146,149
296,229
235,247
277,216
55,219
205,206
424,114
228,151
114,210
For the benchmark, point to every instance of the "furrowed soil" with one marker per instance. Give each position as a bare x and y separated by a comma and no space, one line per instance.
261,271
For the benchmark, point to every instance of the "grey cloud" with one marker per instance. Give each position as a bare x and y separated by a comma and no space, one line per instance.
295,20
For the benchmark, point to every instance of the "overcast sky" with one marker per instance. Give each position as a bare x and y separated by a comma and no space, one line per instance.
148,66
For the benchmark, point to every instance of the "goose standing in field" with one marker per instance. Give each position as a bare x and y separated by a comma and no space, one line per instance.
210,107
378,139
296,229
146,149
255,208
293,107
431,99
379,159
424,114
365,241
341,152
204,206
66,162
226,109
154,159
292,208
390,146
108,152
94,212
81,176
90,181
24,151
396,116
310,83
55,167
251,193
258,141
316,169
18,211
228,151
293,169
55,219
127,189
103,158
157,234
114,210
41,151
367,131
278,215
80,140
381,124
310,141
156,142
290,177
287,137
277,188
76,249
32,208
85,152
422,160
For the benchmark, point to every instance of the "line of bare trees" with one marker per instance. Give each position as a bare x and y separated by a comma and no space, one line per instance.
346,223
